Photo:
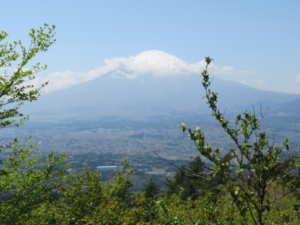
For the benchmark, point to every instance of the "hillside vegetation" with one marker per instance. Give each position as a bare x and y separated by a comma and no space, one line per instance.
250,184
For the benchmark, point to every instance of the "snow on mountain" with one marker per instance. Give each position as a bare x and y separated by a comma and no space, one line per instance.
148,96
152,83
153,62
160,63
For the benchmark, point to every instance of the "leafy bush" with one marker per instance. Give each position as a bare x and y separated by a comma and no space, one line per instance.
258,166
24,182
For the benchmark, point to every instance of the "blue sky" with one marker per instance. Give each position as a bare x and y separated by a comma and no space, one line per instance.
258,40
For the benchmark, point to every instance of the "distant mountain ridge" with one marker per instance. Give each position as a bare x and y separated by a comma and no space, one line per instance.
291,108
150,95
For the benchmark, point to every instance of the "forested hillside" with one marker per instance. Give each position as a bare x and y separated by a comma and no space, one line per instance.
250,179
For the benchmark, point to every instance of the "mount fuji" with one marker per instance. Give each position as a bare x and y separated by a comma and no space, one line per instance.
153,83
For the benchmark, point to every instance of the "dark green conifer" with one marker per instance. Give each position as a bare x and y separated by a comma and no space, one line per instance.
151,189
124,192
194,186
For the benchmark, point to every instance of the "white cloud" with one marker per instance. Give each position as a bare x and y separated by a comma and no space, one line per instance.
259,81
23,69
4,70
153,62
297,79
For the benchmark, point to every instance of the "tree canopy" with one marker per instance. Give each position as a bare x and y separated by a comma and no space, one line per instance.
24,181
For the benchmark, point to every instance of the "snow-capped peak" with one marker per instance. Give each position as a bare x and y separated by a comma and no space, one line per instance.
158,58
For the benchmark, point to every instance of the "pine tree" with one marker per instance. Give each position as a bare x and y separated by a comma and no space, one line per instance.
192,186
151,189
195,186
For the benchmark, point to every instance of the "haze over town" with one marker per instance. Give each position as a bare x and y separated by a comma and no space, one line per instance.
123,75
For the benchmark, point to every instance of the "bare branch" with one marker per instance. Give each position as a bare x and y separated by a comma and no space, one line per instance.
180,168
286,193
293,217
281,177
224,112
251,212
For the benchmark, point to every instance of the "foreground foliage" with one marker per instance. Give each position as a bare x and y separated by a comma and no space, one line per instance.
262,189
25,182
84,199
258,165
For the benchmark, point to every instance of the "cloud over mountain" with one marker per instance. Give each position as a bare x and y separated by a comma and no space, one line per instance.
154,62
297,79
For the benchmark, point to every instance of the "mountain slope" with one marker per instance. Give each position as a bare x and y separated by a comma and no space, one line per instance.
147,95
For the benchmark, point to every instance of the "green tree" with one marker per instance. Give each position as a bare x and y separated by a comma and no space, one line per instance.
123,192
24,182
192,186
11,88
258,165
85,199
151,189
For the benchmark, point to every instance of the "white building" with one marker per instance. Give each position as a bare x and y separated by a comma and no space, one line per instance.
106,168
